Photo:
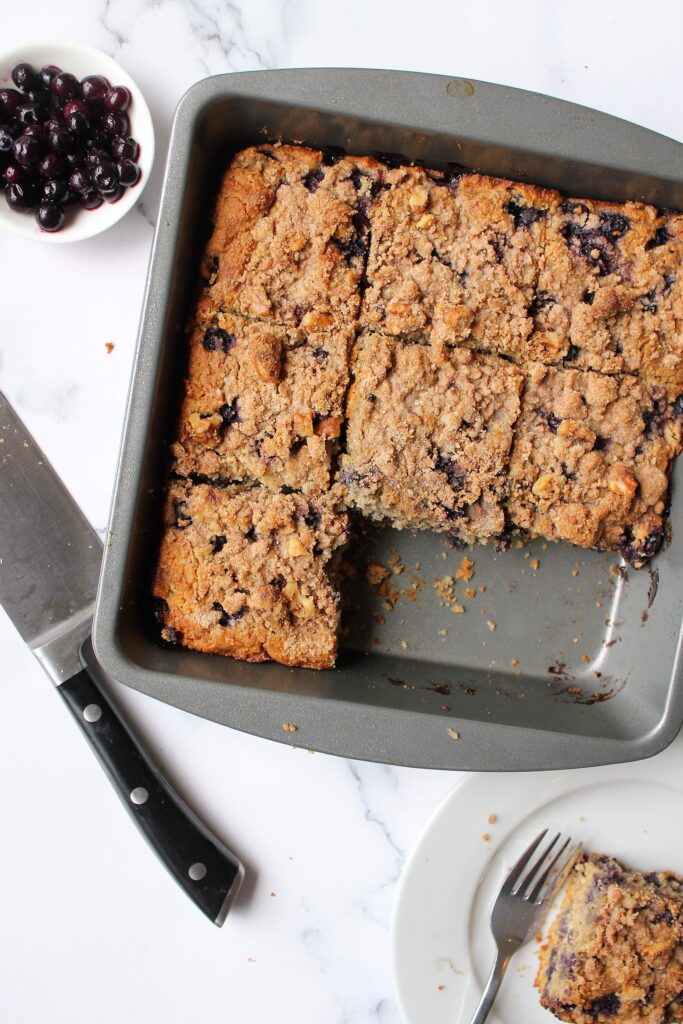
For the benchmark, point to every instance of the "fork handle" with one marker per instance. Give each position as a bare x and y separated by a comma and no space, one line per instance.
492,986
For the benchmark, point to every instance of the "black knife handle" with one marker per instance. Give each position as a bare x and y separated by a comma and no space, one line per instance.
206,870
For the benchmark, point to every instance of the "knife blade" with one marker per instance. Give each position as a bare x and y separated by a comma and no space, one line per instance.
49,566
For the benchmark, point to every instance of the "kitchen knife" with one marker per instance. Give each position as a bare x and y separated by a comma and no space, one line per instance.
49,566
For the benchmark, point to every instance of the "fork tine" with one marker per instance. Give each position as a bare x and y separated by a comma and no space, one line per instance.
540,883
517,869
562,874
535,868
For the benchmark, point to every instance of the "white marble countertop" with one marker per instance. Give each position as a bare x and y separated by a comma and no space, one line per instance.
91,927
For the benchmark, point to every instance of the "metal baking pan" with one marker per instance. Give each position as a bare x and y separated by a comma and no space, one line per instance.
568,665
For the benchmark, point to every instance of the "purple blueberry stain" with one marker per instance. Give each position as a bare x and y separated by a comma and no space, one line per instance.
573,207
218,340
593,246
648,303
313,179
665,917
181,519
442,259
568,963
498,243
351,248
551,421
638,552
321,354
352,477
660,237
227,619
391,160
313,517
608,1005
360,221
218,543
541,300
277,582
669,279
456,476
614,225
251,534
588,297
524,216
228,414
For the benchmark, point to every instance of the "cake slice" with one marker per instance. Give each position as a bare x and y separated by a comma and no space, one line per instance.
290,236
591,461
610,290
455,255
614,953
262,403
243,571
428,436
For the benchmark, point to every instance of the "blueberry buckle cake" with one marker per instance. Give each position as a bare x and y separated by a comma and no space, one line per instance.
435,350
614,953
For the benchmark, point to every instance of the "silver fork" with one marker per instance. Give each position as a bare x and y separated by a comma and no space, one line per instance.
521,906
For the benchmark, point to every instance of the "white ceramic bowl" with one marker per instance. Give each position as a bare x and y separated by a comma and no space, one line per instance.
81,60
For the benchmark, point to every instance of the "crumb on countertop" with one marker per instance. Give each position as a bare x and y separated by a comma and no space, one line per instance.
492,819
289,726
109,345
453,733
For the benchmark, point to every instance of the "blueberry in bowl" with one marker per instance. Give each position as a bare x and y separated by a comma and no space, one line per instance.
76,141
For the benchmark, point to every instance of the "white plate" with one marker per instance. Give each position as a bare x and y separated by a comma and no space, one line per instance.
81,60
442,945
